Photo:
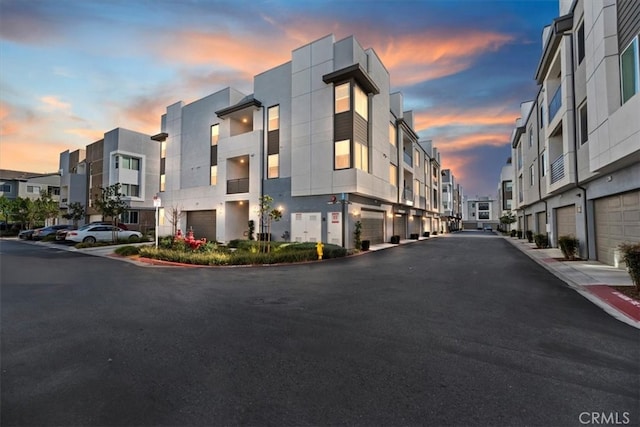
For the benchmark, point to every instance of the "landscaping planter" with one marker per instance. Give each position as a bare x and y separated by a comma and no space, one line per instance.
395,239
425,234
415,236
365,245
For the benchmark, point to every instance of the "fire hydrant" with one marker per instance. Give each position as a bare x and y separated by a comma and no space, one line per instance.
319,247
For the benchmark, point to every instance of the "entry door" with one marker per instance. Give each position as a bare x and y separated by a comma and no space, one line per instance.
306,227
334,228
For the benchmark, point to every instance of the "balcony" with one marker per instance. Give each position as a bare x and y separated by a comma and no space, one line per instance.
235,186
407,158
407,196
557,169
555,104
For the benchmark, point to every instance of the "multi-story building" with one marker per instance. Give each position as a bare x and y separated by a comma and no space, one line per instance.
577,144
123,156
505,193
14,184
322,134
481,212
451,201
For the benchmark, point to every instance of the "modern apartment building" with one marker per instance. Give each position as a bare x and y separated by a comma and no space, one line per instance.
505,193
122,156
481,212
451,201
322,134
577,143
14,184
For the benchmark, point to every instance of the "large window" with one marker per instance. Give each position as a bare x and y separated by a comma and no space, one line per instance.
163,181
416,158
273,170
343,98
274,118
215,134
584,130
5,188
543,163
629,67
580,43
129,217
530,136
361,102
214,175
393,175
127,162
33,189
130,190
362,156
342,158
532,175
163,149
392,134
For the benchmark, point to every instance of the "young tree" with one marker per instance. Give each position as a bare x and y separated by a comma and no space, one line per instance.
110,204
173,216
268,214
46,207
6,208
25,212
75,212
508,219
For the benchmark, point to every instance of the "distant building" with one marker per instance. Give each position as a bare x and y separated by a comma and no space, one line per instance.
505,194
576,145
15,184
481,212
451,201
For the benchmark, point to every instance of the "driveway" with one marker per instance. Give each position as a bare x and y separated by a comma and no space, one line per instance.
462,330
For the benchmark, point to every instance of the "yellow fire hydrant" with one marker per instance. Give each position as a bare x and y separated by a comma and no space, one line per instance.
319,247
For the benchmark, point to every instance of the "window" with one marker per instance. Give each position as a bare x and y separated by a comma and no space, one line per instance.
541,116
214,175
53,191
417,158
362,156
162,182
584,130
34,189
392,134
483,215
532,175
393,175
580,43
161,216
130,190
530,136
5,188
629,67
163,149
342,154
274,117
127,162
343,99
273,170
473,205
543,163
215,134
361,102
519,156
484,206
129,217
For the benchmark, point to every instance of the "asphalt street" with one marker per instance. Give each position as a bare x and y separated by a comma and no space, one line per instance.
458,330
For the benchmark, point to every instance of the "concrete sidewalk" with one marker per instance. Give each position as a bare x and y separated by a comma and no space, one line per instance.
592,279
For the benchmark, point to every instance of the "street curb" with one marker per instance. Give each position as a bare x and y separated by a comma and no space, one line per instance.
606,306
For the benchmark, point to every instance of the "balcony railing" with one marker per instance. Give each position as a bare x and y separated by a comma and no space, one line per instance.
407,194
235,186
407,158
555,104
557,169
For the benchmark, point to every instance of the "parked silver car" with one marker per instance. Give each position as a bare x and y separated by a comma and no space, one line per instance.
101,233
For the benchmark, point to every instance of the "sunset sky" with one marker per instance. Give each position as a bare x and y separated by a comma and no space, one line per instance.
70,70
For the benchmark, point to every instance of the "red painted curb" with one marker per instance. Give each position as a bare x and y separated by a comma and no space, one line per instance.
625,304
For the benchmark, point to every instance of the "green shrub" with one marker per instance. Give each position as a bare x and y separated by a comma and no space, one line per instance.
529,235
513,233
519,234
541,240
127,250
631,257
569,246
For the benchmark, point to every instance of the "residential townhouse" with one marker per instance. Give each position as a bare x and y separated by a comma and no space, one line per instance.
122,156
481,212
505,194
14,184
322,134
451,201
577,144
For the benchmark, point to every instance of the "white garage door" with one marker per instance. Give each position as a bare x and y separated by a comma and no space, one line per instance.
566,221
617,220
203,224
372,226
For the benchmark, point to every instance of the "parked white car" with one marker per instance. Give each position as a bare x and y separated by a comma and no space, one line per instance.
101,233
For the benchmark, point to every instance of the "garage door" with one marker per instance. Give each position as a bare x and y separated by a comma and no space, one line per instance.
617,220
415,225
372,226
400,225
529,222
203,224
541,218
566,221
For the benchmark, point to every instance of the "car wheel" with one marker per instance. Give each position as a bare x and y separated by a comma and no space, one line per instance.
89,239
134,238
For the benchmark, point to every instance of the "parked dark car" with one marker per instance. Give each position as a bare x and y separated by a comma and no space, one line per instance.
41,233
26,234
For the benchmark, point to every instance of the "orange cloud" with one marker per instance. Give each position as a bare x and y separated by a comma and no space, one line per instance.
459,164
90,135
52,103
471,140
457,117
